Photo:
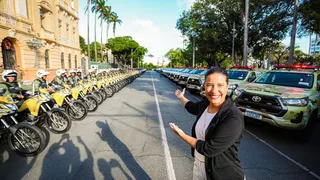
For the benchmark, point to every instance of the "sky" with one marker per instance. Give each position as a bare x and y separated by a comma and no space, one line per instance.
151,23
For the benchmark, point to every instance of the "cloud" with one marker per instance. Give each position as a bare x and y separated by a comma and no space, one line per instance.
185,4
158,40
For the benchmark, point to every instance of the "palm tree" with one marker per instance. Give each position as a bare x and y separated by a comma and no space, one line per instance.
94,10
88,38
103,11
109,21
115,19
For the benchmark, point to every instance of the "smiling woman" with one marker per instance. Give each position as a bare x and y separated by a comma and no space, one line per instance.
216,132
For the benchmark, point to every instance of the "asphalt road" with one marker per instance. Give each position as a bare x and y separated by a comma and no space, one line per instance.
123,140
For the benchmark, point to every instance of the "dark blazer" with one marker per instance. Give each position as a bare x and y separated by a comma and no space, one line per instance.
221,140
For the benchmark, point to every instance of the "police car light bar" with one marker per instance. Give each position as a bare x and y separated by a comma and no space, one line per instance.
241,67
297,66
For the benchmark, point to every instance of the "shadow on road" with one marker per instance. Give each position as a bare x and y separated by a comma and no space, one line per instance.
105,168
13,166
62,161
122,151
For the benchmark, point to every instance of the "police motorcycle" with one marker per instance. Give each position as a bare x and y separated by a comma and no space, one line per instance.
89,84
62,96
80,92
22,137
40,109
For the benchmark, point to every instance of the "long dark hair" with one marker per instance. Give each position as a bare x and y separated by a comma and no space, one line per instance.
218,70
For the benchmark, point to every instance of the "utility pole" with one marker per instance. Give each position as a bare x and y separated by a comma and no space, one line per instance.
293,33
131,58
233,37
245,44
95,31
88,39
194,52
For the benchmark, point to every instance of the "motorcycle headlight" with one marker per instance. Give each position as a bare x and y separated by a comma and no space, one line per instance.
295,101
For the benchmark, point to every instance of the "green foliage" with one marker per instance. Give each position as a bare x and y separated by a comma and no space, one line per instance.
149,66
122,47
210,23
309,12
92,52
176,57
83,46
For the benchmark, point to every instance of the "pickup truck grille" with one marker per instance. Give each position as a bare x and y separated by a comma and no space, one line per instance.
267,104
192,81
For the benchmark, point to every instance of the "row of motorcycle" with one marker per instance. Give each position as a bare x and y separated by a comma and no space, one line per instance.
23,126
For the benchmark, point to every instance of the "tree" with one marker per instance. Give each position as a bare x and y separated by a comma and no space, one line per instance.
210,23
83,45
309,12
115,19
138,56
176,57
280,53
94,10
103,11
88,28
123,46
92,50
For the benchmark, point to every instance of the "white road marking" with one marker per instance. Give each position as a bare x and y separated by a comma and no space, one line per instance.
285,156
167,156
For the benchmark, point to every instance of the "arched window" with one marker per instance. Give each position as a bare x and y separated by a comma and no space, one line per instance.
75,62
62,60
8,54
69,60
46,58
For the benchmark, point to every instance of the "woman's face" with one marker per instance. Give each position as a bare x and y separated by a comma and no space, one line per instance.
216,88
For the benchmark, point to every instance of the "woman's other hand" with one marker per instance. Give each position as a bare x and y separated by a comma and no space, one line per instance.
176,129
180,94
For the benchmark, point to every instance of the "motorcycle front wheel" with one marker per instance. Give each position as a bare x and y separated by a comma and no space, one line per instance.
92,104
78,111
27,141
58,122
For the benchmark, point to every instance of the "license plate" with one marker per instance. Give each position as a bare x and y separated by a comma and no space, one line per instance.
191,86
253,115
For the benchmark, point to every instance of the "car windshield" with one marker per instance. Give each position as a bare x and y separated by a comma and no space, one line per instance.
238,75
291,79
204,72
197,71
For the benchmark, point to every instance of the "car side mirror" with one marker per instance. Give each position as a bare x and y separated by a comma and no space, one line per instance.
250,80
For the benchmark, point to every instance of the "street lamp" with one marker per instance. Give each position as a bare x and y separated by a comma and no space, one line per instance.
35,44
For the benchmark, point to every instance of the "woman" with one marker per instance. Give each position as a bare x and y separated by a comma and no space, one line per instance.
217,131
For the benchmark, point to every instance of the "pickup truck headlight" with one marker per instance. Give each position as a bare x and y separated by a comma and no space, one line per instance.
237,92
295,101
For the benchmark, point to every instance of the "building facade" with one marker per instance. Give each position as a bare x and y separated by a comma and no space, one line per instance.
315,47
40,34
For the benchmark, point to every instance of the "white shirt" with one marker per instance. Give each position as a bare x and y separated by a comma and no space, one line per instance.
201,128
